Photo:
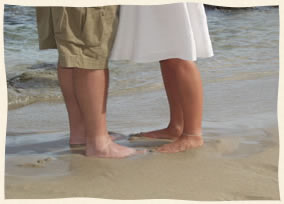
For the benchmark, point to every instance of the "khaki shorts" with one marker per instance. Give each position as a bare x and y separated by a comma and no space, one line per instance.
83,35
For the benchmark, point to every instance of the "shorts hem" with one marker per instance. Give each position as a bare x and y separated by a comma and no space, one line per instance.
76,61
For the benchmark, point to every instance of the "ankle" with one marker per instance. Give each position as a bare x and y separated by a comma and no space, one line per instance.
77,131
192,134
175,129
99,142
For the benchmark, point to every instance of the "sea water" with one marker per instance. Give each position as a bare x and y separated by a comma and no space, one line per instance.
240,81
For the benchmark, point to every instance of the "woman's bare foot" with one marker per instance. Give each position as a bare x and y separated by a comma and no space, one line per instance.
166,133
183,143
109,149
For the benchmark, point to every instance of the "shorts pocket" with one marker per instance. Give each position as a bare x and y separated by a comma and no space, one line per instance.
68,23
58,14
93,26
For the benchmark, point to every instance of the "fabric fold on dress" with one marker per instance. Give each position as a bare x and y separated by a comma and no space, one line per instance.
158,32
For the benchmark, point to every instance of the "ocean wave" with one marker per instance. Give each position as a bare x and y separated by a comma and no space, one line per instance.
39,83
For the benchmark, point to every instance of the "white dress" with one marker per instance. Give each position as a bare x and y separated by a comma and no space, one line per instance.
152,33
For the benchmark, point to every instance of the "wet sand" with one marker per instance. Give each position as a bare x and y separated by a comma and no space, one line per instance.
40,164
201,174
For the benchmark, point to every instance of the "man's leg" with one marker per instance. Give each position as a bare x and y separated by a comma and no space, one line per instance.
76,124
91,92
189,88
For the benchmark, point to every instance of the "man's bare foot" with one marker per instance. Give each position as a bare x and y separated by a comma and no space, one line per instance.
111,150
183,143
166,133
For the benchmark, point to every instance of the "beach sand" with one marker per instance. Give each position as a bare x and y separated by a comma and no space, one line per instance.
40,164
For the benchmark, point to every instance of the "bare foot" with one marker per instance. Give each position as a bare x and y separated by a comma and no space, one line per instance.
111,150
183,143
166,133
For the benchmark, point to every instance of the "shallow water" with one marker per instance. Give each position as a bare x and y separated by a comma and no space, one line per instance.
240,83
245,44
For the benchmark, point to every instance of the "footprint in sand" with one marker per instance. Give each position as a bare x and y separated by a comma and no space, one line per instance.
40,163
227,145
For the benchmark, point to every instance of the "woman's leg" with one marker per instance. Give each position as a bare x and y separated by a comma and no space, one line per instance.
189,91
175,127
76,125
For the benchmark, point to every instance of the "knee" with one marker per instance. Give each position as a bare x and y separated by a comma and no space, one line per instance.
177,62
172,61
